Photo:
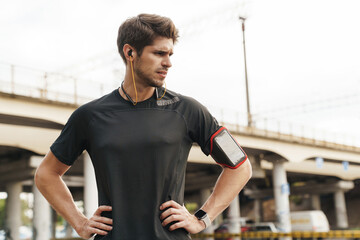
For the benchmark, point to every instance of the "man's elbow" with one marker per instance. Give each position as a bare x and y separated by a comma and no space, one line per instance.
244,170
39,177
42,176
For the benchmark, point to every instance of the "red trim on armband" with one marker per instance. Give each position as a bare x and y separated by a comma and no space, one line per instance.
212,137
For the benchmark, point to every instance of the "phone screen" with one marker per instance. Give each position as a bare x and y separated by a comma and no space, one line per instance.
230,147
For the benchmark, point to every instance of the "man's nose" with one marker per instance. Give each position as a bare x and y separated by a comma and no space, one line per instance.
166,62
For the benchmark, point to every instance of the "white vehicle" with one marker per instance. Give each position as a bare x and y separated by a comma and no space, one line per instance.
312,221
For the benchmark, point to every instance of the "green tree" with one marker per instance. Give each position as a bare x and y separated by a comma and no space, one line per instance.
2,213
25,219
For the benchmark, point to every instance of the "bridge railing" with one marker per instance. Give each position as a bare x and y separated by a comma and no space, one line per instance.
24,81
48,86
284,130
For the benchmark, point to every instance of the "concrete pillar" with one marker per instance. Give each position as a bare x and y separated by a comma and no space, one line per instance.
42,216
257,171
90,189
68,230
281,193
234,216
204,195
13,209
258,210
340,207
53,223
315,202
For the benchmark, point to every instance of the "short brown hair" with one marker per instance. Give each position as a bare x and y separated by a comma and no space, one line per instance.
140,31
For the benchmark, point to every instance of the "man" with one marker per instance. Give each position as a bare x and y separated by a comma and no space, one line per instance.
139,137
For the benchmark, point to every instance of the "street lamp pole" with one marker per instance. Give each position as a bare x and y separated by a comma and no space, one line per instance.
249,118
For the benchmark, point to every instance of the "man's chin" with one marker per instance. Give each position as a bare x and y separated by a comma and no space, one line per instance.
157,83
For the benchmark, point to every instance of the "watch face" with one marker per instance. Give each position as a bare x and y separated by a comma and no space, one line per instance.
200,214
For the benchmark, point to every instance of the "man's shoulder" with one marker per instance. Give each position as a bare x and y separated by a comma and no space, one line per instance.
98,104
187,106
182,99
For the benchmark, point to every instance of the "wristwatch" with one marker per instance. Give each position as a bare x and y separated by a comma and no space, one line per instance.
202,215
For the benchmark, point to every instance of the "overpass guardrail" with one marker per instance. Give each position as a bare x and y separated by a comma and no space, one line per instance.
49,86
56,87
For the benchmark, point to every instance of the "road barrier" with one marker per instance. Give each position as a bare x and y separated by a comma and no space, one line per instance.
348,234
343,234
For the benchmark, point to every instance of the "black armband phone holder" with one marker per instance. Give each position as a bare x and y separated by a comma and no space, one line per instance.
225,150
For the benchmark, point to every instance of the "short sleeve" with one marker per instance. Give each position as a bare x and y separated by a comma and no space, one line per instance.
202,125
72,140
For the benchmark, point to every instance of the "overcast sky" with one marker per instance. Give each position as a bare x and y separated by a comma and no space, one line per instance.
303,56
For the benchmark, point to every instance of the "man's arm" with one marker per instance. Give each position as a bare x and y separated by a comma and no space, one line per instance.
228,185
49,182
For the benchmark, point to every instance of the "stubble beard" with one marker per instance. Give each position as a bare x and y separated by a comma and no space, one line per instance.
145,78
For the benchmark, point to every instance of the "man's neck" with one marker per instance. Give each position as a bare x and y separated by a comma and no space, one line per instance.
143,92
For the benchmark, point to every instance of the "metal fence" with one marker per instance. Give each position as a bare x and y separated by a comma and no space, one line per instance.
23,81
56,87
283,130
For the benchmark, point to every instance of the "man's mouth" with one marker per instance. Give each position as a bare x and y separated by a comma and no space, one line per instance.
162,73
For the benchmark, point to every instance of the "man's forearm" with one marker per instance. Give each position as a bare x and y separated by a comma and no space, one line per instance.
228,185
59,197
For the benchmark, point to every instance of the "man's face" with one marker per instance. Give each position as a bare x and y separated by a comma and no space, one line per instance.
152,66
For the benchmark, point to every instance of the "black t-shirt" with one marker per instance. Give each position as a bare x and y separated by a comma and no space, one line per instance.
139,154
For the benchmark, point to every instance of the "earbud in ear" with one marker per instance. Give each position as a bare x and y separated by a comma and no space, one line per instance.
130,53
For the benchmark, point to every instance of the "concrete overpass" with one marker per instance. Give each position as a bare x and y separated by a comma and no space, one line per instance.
32,124
28,126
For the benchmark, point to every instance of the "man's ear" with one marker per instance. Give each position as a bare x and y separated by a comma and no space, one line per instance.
129,52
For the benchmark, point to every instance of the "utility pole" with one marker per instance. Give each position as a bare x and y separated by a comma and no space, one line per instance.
249,118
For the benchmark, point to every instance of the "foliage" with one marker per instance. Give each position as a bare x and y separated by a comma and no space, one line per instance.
297,199
2,213
26,218
191,207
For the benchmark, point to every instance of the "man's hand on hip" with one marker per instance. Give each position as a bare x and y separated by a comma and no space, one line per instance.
181,217
96,224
